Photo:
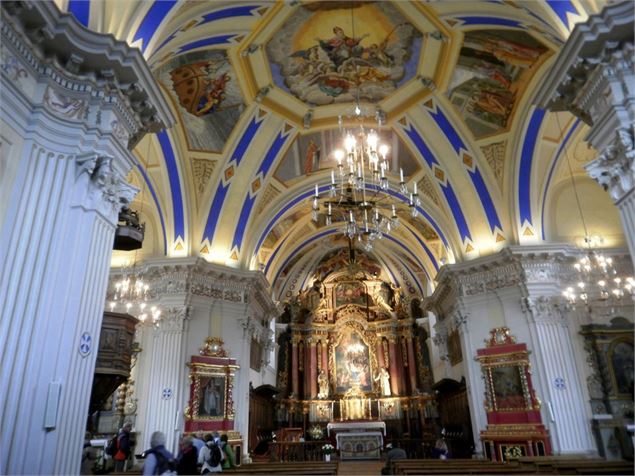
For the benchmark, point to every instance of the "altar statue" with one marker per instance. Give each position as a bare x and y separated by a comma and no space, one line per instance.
384,382
323,385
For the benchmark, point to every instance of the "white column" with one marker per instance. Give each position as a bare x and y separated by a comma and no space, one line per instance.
168,371
58,239
562,389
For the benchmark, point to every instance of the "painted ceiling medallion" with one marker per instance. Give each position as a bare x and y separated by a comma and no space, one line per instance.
321,58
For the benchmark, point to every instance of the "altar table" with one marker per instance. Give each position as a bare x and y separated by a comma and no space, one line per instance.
359,445
357,426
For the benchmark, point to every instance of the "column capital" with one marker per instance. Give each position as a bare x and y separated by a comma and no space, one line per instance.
173,319
614,169
106,189
544,309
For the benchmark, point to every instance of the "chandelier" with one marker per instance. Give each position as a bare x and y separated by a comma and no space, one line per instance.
597,279
358,194
131,295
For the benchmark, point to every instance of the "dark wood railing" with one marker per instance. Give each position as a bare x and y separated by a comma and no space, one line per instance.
297,451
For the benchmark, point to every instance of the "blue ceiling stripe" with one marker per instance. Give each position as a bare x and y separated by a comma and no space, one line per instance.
245,140
273,255
426,249
447,190
561,8
479,184
241,226
221,191
551,170
526,159
215,211
156,14
419,143
412,275
272,153
476,20
156,202
325,188
322,235
213,40
270,157
81,10
242,11
447,129
459,218
175,184
486,199
295,251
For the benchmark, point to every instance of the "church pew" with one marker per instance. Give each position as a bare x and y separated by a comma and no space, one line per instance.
314,467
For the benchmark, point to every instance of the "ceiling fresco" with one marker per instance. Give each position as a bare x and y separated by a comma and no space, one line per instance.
322,57
258,88
493,70
314,151
209,99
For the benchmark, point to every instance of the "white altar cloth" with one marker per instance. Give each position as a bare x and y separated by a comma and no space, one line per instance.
356,426
359,444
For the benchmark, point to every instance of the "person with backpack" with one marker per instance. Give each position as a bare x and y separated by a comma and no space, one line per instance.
158,460
123,447
210,457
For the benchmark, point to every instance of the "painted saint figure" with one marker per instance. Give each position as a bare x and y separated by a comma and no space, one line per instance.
384,382
211,399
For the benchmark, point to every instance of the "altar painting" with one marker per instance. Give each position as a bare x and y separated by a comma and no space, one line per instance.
508,389
352,292
211,398
352,363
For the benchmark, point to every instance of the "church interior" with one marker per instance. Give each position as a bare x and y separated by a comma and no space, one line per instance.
429,245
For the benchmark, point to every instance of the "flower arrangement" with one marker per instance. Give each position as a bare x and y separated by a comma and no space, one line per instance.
328,449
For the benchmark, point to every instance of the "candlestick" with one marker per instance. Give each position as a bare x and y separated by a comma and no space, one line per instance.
317,193
415,188
401,174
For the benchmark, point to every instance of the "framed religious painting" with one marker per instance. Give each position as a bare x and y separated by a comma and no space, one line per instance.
212,374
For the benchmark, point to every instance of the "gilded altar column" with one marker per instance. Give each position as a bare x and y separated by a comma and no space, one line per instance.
313,366
295,387
325,355
379,351
412,369
307,369
394,370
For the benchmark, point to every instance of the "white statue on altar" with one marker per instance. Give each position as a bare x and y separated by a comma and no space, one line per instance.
323,385
384,382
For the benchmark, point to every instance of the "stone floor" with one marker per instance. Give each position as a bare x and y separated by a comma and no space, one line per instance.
360,467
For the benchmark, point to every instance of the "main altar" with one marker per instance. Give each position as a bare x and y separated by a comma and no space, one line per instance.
353,364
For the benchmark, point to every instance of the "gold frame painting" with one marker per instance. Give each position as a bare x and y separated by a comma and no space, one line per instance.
211,392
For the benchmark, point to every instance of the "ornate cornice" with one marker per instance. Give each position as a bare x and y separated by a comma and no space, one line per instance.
591,43
89,66
196,277
614,169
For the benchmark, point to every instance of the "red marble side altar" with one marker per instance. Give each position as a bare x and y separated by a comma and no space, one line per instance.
513,412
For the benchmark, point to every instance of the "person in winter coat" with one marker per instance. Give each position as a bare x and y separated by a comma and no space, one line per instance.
123,447
188,458
158,460
230,458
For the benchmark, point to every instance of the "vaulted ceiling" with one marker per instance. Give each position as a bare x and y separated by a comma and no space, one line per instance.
254,85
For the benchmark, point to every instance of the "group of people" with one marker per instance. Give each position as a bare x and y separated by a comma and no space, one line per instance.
198,455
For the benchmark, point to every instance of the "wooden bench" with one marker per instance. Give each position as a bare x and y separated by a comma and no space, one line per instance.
538,465
312,467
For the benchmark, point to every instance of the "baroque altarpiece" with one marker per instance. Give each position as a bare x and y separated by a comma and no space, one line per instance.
353,353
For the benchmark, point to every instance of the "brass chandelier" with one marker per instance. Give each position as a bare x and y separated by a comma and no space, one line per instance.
359,193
